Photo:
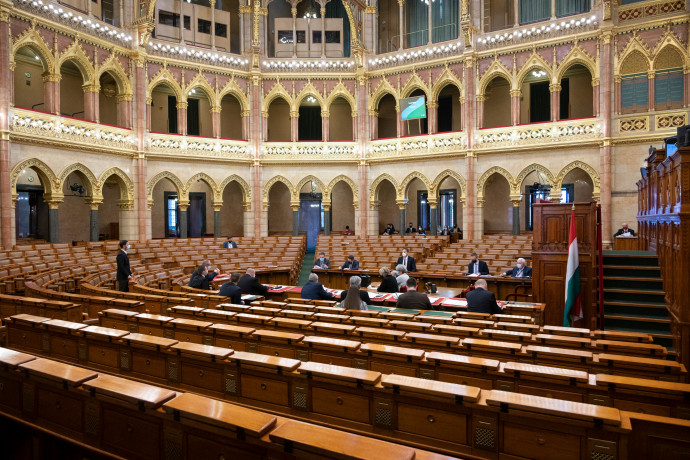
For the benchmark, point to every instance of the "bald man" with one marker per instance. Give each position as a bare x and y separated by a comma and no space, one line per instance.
625,231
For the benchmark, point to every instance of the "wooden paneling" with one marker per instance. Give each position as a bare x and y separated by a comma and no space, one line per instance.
550,258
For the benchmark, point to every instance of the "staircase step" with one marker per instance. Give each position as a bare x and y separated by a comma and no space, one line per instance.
635,291
637,272
637,317
634,304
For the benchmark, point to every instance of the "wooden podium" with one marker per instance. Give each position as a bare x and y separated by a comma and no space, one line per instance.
550,258
625,243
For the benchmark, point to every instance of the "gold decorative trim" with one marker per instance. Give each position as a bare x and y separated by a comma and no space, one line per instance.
670,120
633,124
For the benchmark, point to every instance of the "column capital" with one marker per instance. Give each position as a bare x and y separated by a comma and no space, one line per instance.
215,109
433,105
54,203
368,10
515,93
432,203
480,98
325,114
295,208
326,206
651,74
183,206
294,12
217,206
516,202
373,112
480,202
246,113
402,204
401,3
181,105
125,205
245,9
595,82
94,203
51,77
554,87
128,98
294,114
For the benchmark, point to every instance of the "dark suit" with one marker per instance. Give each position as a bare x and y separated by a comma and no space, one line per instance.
315,291
483,268
233,291
354,265
364,295
414,300
388,284
621,231
250,285
411,264
410,230
482,301
325,262
229,244
210,276
199,282
388,231
123,271
515,272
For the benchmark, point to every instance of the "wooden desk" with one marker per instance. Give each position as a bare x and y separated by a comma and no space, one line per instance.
625,243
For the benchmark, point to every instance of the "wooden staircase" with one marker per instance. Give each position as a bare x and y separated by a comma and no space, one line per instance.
634,296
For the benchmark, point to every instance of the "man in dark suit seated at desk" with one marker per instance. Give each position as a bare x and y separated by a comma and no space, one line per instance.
412,299
521,270
322,261
477,267
407,261
350,263
250,285
232,290
625,231
314,290
229,244
480,300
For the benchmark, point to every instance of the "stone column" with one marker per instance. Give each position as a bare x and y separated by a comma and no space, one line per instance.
182,118
91,93
264,127
478,220
516,12
323,33
515,96
183,207
606,62
53,221
686,81
433,225
553,9
148,114
124,111
650,80
215,121
257,128
374,120
294,30
401,24
327,219
213,24
142,107
93,223
431,24
7,231
480,111
555,90
617,94
216,219
595,98
469,223
51,93
399,123
433,118
325,126
295,218
402,205
246,118
516,215
294,126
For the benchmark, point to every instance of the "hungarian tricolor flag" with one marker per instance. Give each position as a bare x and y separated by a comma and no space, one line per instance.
573,310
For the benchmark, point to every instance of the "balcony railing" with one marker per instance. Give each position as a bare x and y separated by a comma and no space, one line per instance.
539,133
174,144
310,151
43,126
424,144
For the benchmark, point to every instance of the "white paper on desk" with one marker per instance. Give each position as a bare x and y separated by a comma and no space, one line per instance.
395,295
433,299
377,296
455,302
473,274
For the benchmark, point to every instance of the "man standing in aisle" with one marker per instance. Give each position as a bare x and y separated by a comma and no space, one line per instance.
124,274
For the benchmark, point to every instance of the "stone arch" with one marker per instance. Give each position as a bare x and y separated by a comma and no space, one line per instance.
76,54
33,39
534,62
533,167
445,79
663,54
481,183
635,58
210,182
308,90
246,190
349,182
574,57
114,68
300,184
164,76
127,193
48,178
181,190
383,88
496,69
232,88
442,176
591,172
402,189
413,84
374,187
340,91
277,91
92,185
271,182
201,82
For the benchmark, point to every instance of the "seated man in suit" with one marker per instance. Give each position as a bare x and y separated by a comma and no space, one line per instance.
231,289
350,263
314,290
421,231
210,274
389,230
229,243
322,261
625,231
199,279
477,267
250,285
407,261
413,299
521,270
480,300
410,229
401,278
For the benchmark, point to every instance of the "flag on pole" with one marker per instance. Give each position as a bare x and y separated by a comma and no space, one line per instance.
573,310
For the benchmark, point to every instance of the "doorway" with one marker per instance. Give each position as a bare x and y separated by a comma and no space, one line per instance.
31,213
196,217
311,217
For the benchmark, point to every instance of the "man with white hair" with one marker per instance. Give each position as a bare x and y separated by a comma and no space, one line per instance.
480,300
521,270
314,290
402,276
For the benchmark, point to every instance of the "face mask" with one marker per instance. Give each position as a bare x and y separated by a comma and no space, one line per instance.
519,265
404,254
129,246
